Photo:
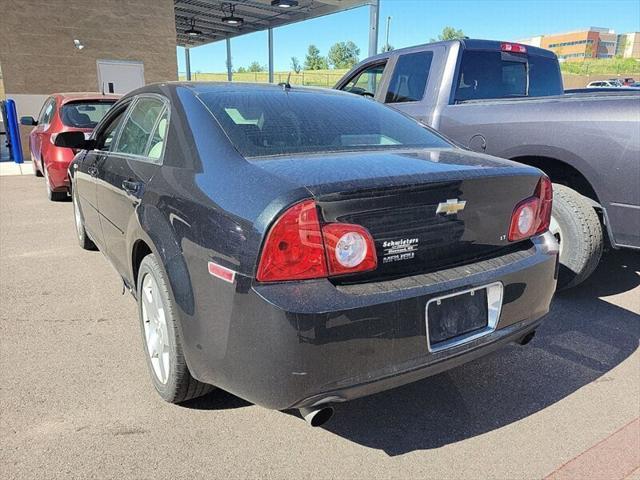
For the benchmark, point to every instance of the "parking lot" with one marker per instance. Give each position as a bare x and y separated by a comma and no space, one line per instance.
76,400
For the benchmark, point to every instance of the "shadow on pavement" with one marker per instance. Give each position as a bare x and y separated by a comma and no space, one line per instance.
582,339
216,400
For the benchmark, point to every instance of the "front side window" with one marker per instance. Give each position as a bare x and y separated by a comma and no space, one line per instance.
266,122
138,128
84,114
367,81
47,112
409,78
106,134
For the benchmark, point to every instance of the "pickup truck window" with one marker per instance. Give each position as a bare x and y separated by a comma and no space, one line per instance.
409,78
366,81
487,74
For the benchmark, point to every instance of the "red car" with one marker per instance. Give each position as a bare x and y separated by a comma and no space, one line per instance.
62,112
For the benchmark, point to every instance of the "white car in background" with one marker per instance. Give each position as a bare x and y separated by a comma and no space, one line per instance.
603,84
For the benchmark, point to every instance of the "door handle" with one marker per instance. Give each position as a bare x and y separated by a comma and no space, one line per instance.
93,171
132,187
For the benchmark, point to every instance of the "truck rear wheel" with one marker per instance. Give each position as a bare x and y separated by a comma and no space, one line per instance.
576,225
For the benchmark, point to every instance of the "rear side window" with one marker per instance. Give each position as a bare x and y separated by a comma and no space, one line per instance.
84,114
409,78
137,130
488,74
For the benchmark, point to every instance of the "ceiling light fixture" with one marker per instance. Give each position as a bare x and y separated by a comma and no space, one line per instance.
230,19
192,31
284,3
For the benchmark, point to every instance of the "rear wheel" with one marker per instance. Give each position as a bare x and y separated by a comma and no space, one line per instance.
51,195
83,239
34,166
576,226
162,343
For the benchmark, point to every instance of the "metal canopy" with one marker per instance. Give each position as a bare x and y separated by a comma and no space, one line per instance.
206,17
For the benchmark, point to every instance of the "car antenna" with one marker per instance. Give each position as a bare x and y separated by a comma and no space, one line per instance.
286,85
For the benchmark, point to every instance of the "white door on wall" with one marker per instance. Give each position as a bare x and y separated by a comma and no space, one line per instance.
119,76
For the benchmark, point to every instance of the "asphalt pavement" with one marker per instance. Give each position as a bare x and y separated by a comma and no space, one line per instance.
76,401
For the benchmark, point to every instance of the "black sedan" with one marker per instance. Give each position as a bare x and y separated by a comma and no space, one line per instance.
301,247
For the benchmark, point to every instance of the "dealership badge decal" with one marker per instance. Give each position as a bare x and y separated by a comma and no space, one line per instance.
451,206
397,250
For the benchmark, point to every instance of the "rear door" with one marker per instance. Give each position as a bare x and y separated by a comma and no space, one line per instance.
125,172
86,170
44,121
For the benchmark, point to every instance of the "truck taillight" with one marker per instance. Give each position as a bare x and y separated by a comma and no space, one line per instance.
298,248
513,48
533,215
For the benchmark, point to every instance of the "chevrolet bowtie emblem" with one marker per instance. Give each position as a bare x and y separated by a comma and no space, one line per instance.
451,206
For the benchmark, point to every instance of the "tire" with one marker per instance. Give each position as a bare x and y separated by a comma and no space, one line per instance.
83,239
51,195
34,166
161,338
576,225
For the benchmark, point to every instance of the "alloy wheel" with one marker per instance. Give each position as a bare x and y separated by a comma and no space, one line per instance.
78,218
156,334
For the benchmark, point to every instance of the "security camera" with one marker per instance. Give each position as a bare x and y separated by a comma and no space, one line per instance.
78,44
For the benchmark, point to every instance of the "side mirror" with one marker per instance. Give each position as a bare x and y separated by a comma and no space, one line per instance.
73,140
28,121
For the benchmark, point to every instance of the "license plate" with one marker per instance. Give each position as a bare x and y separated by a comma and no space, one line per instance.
462,316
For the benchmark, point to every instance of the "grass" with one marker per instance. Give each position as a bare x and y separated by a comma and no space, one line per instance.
602,66
319,78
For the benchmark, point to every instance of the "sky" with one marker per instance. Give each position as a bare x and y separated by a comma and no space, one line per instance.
417,21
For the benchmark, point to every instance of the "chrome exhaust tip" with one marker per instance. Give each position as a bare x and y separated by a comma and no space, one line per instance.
316,416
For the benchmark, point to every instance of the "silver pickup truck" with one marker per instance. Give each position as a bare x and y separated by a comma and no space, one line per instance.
507,100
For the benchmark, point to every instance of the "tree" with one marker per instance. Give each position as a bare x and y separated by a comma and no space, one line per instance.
450,33
343,54
313,60
295,64
256,67
387,48
242,70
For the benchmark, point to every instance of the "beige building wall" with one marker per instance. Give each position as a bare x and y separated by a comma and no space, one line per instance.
38,56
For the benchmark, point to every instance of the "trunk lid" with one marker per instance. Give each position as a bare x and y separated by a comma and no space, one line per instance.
426,210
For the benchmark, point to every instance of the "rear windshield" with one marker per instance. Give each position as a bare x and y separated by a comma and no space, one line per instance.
84,114
487,74
277,122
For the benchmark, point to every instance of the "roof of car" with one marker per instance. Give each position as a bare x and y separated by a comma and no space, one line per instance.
210,87
75,96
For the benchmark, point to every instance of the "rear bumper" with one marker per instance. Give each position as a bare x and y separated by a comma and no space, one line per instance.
57,165
307,343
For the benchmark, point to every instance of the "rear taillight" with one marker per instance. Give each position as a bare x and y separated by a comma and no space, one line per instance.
532,215
298,248
293,249
349,248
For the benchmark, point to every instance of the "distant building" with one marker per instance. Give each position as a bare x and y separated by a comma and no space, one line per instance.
594,42
628,45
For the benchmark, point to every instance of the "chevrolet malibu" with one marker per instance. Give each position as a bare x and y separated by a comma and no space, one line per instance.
301,247
62,112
